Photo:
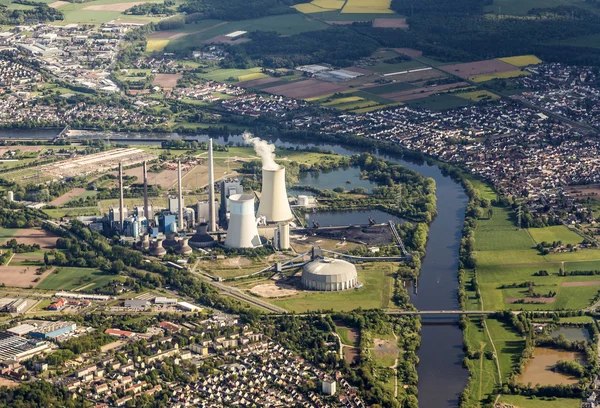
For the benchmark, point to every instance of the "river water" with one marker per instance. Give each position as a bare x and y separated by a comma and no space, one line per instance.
441,375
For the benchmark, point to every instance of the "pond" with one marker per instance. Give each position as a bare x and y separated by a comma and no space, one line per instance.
540,367
572,333
348,178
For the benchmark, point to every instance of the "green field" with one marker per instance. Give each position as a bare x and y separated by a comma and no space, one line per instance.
509,345
521,401
484,373
286,24
77,13
592,41
440,102
376,293
555,233
388,88
507,255
71,212
7,233
70,278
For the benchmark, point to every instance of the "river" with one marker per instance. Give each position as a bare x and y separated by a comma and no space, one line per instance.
441,375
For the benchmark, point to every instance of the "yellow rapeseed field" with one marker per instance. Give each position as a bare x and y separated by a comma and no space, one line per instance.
368,6
251,77
522,60
156,45
343,100
507,74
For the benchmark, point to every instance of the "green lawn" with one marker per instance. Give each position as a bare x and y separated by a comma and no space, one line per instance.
555,233
343,333
521,401
387,88
77,13
384,68
70,278
376,293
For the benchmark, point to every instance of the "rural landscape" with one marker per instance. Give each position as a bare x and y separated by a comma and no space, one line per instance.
342,203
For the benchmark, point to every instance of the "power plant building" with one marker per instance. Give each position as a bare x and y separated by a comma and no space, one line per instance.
242,231
229,188
274,204
328,274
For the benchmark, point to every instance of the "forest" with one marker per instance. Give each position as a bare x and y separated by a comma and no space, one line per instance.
40,12
237,9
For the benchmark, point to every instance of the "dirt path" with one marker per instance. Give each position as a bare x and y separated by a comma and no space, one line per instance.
341,352
395,368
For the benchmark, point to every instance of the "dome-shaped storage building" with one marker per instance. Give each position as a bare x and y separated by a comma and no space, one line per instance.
328,274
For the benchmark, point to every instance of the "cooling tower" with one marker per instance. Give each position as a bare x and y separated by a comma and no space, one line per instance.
146,241
184,248
158,249
274,204
242,231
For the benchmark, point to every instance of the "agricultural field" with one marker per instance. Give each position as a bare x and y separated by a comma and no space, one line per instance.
521,401
156,45
478,96
69,278
555,233
319,6
377,279
192,36
509,345
507,255
439,102
483,371
522,60
367,6
102,11
501,75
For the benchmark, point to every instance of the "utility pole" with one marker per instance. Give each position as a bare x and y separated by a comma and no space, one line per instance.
519,216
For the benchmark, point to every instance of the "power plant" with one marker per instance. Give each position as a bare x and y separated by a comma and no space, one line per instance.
274,204
212,222
242,231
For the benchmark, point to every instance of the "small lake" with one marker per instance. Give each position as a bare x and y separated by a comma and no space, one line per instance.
572,333
351,217
348,178
540,367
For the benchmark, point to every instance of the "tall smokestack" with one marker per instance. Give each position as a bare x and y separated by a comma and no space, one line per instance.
212,224
180,196
121,205
146,191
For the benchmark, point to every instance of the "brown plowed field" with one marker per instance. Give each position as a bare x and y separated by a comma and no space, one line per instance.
166,80
68,196
112,7
309,88
21,276
390,23
579,284
255,82
470,69
30,236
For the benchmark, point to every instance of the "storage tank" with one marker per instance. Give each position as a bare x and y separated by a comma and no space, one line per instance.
11,196
284,235
242,231
274,204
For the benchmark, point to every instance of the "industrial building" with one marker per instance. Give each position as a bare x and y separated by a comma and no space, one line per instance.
51,330
17,306
160,300
328,274
13,347
137,303
229,188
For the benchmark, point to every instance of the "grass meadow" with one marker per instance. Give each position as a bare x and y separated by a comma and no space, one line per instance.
69,278
376,293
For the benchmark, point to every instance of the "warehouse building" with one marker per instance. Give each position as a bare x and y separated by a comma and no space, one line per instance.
51,330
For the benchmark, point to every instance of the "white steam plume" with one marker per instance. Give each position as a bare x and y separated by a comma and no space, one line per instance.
264,149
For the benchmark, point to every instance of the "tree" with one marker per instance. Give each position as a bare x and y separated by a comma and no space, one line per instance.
117,266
